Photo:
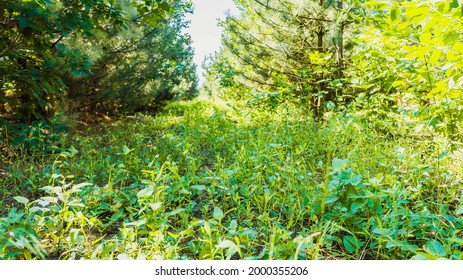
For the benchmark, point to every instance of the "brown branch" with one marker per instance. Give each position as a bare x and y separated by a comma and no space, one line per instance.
57,41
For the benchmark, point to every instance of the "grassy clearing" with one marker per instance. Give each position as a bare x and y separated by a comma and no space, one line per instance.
206,180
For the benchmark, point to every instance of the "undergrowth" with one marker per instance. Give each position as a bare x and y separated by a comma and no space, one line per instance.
208,180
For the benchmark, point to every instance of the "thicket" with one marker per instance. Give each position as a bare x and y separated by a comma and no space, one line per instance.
377,56
106,57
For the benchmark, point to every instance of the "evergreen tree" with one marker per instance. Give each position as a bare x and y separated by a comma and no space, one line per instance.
286,49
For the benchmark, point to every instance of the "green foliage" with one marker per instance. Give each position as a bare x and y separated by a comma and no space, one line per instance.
139,68
49,48
294,48
408,57
376,176
17,236
210,180
376,56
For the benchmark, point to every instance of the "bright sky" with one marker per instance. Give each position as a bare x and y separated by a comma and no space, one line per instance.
204,30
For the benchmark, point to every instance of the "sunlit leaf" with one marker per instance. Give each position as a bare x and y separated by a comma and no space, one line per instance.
435,248
124,257
146,192
218,213
175,212
21,199
155,206
198,187
459,211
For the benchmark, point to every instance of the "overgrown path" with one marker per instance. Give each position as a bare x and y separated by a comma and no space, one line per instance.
207,180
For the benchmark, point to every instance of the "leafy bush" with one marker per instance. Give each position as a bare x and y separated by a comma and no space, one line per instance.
408,57
57,53
39,136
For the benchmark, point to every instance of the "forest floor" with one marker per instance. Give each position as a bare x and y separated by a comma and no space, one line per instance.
210,180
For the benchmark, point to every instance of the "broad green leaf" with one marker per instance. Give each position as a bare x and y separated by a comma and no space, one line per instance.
379,208
356,205
443,155
175,212
78,73
377,180
439,87
403,25
434,59
155,206
76,203
395,12
331,198
403,245
394,243
381,231
377,5
422,51
459,211
137,223
173,235
124,257
226,244
73,151
250,232
458,47
422,257
354,180
34,209
21,199
146,192
435,248
198,187
351,243
456,240
455,94
231,247
23,22
339,164
425,38
218,213
452,57
451,37
233,225
126,150
417,11
398,83
431,23
49,199
419,19
81,185
164,6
